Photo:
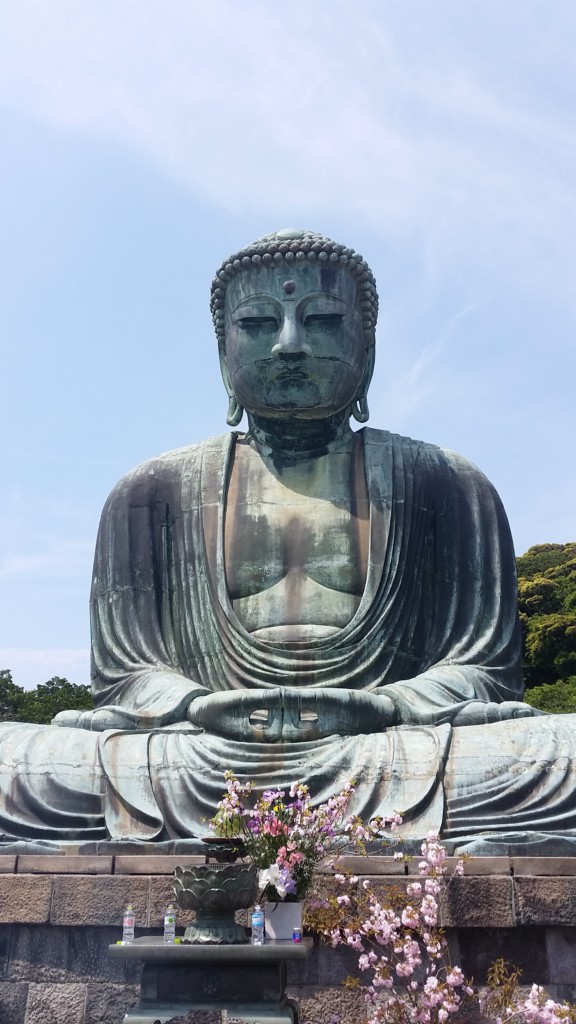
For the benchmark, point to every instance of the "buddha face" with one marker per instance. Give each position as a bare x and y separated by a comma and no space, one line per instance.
295,345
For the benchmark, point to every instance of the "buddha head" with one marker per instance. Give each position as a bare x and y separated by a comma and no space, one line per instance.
295,316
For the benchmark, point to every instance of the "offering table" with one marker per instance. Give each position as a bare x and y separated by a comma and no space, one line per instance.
247,981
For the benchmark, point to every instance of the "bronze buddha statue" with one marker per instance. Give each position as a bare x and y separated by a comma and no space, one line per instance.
299,601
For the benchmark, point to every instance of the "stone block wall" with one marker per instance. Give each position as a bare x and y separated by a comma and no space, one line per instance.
59,914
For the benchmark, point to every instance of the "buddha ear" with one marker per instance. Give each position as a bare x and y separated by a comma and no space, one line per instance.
235,410
359,407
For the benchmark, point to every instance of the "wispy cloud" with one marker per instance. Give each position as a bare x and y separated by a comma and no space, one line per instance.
415,387
323,109
41,549
64,557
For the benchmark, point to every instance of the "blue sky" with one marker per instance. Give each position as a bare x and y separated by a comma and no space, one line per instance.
142,142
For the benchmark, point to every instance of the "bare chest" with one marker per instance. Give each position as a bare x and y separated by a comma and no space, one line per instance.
296,543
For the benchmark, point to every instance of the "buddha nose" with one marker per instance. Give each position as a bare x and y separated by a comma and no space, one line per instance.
291,340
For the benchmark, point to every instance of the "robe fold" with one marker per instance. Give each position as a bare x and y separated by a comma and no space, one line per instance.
436,624
436,630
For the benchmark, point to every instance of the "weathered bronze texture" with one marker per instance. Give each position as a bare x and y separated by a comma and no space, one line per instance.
215,892
300,601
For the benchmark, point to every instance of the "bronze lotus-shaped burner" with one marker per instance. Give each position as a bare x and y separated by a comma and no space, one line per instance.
215,892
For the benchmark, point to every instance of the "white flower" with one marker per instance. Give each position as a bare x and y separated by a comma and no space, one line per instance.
268,876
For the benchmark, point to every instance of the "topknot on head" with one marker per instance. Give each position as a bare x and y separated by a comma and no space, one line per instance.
292,247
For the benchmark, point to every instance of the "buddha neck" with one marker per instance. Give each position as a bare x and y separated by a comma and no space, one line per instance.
296,440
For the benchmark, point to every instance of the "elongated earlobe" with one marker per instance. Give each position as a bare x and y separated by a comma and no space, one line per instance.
235,412
360,410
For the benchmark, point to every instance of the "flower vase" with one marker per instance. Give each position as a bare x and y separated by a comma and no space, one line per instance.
280,919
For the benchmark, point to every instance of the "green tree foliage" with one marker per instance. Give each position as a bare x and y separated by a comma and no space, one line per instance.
43,703
556,698
9,696
538,596
547,606
542,557
549,648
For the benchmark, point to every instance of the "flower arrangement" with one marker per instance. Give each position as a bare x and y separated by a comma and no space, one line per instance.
402,951
285,836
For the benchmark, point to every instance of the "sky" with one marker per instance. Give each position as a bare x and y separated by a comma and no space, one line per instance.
142,141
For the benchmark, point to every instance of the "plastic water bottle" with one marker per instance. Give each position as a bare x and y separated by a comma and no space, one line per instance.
128,922
170,924
257,925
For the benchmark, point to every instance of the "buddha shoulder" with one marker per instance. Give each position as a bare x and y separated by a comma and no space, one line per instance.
152,480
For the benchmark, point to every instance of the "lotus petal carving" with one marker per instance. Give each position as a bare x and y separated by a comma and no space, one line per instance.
215,888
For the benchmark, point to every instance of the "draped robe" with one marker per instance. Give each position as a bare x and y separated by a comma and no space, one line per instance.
436,626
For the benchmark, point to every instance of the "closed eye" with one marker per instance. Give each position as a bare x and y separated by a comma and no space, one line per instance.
249,323
328,320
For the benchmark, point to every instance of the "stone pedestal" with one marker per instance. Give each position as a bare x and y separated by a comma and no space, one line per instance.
60,914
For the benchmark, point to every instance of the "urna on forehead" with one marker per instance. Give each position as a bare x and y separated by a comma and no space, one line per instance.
293,283
296,247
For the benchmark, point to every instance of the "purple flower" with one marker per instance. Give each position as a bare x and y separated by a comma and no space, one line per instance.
286,881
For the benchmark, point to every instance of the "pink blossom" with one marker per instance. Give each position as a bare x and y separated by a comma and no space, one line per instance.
414,889
410,917
273,827
429,910
410,980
